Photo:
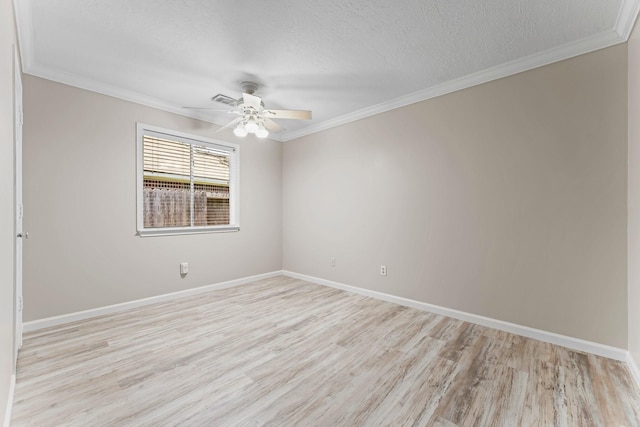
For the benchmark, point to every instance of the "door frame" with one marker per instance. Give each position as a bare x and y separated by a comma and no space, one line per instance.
19,211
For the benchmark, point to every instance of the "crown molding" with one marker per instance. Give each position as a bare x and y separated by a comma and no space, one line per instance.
24,26
106,89
116,92
625,21
627,16
569,50
22,9
30,66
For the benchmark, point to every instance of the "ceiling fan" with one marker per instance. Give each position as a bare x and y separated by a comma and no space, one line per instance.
253,116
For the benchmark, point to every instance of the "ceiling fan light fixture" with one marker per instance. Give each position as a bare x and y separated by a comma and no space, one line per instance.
262,132
240,130
251,126
253,116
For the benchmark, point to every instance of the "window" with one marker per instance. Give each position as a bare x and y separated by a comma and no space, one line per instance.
186,183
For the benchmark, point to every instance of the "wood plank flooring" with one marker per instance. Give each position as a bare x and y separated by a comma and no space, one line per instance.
283,352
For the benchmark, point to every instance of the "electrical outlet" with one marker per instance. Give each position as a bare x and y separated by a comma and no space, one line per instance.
383,270
184,268
333,262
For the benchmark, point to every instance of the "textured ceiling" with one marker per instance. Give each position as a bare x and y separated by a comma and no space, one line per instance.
343,60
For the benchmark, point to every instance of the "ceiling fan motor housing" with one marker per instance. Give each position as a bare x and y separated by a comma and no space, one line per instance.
249,87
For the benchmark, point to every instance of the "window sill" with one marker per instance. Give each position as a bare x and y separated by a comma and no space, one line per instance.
150,232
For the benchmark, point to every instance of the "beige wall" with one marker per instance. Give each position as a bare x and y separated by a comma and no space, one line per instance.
634,195
80,207
506,200
7,43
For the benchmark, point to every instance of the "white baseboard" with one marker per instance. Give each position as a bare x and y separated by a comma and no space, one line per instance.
633,367
550,337
34,325
9,408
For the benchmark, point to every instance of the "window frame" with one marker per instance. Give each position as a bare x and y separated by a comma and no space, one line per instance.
193,140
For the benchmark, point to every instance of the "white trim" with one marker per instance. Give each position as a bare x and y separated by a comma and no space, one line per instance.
550,337
525,331
579,47
154,232
18,217
633,367
24,26
105,89
560,53
34,325
627,16
96,86
9,410
117,92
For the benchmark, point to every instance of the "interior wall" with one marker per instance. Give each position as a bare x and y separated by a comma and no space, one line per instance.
80,207
506,200
7,229
634,195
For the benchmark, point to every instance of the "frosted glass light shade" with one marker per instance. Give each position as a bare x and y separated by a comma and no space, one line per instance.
262,132
251,126
240,131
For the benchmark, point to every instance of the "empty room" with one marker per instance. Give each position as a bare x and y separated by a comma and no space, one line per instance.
340,213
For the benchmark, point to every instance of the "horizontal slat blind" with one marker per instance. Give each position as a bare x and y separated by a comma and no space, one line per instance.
210,166
184,184
172,159
166,158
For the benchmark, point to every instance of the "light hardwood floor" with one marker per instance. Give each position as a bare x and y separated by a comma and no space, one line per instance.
284,352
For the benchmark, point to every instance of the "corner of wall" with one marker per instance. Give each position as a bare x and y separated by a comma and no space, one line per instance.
633,201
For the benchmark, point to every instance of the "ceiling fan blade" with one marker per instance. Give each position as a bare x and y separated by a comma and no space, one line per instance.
289,114
231,123
252,101
272,126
